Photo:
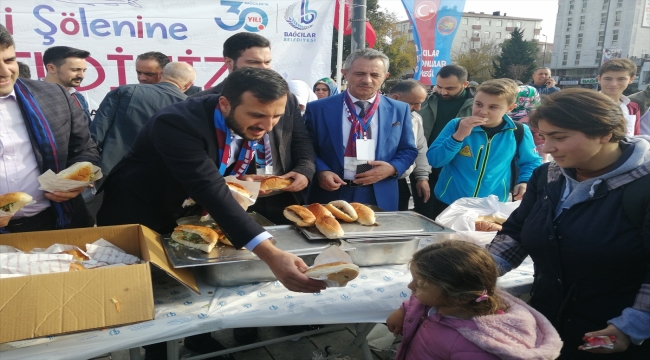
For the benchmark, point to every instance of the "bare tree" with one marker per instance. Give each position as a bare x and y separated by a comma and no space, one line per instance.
517,71
478,61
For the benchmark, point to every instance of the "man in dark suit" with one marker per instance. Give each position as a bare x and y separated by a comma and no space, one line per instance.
50,132
66,66
290,145
125,110
364,145
184,151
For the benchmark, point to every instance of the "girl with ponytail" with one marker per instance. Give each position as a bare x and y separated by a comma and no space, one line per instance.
457,312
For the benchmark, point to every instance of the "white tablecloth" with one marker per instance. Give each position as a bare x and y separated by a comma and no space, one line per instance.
179,312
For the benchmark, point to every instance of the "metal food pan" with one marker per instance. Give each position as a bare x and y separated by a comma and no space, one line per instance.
388,224
390,250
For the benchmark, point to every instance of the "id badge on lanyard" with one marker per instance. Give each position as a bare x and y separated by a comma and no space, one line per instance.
366,149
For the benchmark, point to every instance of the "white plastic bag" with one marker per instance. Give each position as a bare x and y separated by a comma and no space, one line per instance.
462,214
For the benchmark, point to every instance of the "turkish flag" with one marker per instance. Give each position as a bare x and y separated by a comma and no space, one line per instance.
371,36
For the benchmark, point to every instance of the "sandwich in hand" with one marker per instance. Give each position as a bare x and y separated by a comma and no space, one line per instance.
274,183
81,171
197,237
339,272
342,210
366,215
14,201
299,215
239,189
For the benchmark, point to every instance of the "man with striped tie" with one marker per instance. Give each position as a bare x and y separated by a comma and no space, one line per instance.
66,66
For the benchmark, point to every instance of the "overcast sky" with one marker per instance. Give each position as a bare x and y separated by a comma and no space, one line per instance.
536,9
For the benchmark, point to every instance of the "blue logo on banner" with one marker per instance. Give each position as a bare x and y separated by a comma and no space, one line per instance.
187,303
170,314
273,307
261,294
345,297
403,294
222,303
247,306
241,293
174,292
381,290
114,332
202,316
252,19
304,19
288,297
447,25
387,278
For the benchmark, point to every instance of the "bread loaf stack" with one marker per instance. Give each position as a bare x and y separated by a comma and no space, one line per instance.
325,217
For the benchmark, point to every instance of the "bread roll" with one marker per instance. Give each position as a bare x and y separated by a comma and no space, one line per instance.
238,188
366,215
197,237
299,215
339,272
342,210
274,183
76,267
319,210
76,255
486,226
81,171
14,201
329,227
492,218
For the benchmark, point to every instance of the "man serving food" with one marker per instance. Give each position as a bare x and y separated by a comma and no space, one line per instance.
186,149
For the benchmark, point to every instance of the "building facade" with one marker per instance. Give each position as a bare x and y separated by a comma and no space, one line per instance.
589,32
477,29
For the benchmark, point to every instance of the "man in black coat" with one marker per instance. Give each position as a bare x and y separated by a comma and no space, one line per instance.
178,155
291,147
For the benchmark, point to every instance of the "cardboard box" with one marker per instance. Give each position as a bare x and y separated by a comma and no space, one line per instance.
42,305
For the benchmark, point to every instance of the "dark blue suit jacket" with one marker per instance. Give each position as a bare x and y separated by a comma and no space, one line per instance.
395,145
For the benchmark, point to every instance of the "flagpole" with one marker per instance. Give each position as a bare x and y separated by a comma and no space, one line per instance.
339,48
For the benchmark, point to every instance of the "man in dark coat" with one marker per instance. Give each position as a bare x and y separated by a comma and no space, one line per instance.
42,128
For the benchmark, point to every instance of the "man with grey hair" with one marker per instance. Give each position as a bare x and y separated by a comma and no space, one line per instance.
543,82
413,93
126,109
363,140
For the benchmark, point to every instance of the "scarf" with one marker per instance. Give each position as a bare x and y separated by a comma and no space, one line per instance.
246,152
360,126
40,128
263,155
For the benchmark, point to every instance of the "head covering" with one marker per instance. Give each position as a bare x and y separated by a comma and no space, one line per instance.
302,91
527,101
330,84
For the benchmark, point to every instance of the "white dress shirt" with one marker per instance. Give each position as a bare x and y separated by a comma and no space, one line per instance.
18,167
349,172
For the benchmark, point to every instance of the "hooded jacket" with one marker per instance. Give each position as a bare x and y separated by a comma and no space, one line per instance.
478,166
519,333
592,264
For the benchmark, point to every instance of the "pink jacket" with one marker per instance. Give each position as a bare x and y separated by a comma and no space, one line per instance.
521,333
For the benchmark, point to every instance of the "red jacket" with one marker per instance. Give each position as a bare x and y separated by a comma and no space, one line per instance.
633,108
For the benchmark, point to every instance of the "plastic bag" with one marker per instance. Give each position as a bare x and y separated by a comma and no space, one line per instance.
462,214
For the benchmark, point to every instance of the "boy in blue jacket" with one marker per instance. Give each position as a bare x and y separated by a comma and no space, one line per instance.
475,152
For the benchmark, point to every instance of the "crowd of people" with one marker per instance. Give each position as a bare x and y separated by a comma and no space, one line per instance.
578,160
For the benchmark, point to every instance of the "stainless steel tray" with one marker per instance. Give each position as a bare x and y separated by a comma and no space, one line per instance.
392,224
196,220
286,238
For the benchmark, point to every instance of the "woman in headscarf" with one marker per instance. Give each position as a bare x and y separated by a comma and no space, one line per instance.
303,93
527,101
325,87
